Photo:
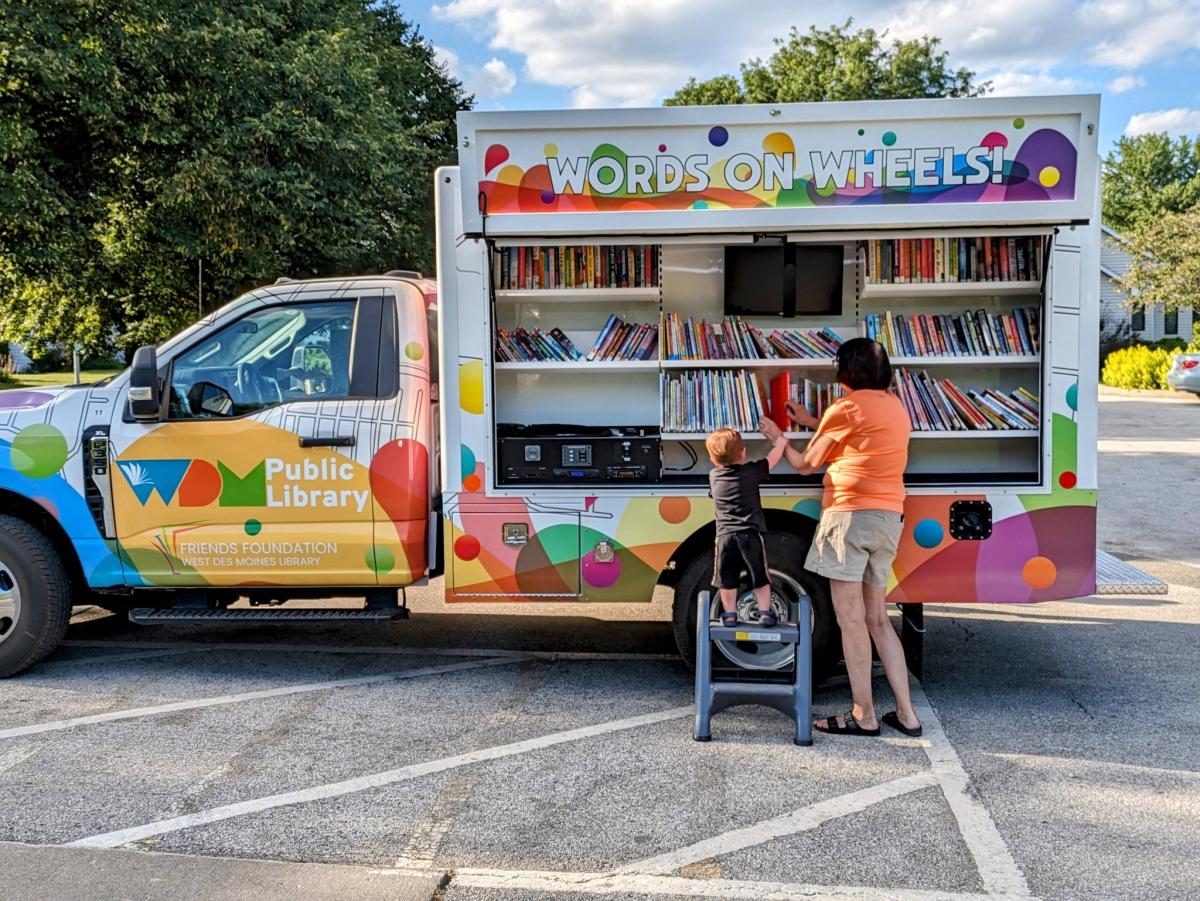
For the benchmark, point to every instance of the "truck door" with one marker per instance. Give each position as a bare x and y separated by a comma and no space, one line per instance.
260,474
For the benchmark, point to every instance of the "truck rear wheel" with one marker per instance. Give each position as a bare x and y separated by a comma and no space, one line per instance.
35,596
789,579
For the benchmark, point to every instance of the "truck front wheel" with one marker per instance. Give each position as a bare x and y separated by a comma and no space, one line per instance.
35,596
789,579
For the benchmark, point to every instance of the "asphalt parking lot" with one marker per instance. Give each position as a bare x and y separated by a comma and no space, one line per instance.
544,756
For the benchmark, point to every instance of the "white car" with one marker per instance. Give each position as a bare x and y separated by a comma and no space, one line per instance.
1184,374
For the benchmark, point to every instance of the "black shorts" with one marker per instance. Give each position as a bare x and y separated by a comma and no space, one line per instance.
739,552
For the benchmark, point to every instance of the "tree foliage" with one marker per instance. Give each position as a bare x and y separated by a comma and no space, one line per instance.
837,64
1165,261
1147,176
262,137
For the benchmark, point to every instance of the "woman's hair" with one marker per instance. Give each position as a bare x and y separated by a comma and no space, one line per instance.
863,363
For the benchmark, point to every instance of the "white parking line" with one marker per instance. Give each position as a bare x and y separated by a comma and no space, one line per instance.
997,869
646,884
376,780
220,700
799,820
376,651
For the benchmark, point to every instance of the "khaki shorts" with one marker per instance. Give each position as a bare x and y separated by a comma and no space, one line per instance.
856,546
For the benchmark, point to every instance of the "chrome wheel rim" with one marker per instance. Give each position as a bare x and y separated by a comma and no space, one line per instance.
10,602
785,598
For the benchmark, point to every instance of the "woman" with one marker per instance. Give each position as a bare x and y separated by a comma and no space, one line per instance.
863,437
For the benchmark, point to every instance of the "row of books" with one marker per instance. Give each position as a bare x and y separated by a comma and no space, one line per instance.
587,266
521,345
903,260
814,396
621,340
972,333
733,338
700,400
941,406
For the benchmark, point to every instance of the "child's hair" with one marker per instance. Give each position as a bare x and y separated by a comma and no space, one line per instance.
724,446
863,363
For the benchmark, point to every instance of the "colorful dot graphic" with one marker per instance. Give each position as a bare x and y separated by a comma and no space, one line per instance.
718,135
467,460
550,150
700,205
470,386
547,196
861,132
472,483
1073,397
413,350
1049,176
1018,122
252,527
810,507
928,533
889,138
1039,572
600,575
674,509
662,148
1067,479
466,547
39,451
380,560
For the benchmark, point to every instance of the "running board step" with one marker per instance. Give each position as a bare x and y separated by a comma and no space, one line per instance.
1115,576
145,616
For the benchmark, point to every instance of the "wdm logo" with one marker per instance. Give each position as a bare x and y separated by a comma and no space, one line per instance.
195,483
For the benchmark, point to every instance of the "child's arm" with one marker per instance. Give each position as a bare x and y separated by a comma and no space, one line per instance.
805,462
777,452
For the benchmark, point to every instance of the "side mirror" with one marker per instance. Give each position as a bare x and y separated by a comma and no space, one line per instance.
210,399
145,391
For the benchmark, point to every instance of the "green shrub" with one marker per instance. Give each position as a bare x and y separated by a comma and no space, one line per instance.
1139,366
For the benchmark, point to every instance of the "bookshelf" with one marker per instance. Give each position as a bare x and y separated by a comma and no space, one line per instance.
687,282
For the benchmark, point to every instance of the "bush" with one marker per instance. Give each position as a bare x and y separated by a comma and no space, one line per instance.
1139,366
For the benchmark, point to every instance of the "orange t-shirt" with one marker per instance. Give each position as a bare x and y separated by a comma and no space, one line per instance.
866,463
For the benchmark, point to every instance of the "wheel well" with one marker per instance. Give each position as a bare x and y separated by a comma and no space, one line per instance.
777,521
40,518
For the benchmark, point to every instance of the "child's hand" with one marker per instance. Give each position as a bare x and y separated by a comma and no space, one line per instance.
800,415
770,430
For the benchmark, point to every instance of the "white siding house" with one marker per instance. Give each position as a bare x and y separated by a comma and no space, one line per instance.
1118,320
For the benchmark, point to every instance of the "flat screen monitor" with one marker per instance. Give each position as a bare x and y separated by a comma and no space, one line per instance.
818,279
783,280
754,275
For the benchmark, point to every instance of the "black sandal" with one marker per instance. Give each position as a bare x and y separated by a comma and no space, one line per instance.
893,720
850,726
729,618
768,618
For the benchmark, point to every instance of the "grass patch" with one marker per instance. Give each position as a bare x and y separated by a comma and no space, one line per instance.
54,379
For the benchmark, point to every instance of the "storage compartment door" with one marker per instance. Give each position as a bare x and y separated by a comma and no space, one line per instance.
495,555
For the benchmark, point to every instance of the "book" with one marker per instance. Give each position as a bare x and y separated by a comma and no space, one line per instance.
935,405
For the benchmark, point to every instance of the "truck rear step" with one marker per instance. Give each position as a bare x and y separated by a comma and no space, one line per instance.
150,616
1115,576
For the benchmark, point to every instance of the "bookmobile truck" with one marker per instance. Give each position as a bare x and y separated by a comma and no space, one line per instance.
350,437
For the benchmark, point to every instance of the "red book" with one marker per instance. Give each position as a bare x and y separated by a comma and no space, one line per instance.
781,388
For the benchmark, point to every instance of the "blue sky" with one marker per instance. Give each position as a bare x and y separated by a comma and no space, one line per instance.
1144,57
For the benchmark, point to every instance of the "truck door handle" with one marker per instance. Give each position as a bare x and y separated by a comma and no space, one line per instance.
335,441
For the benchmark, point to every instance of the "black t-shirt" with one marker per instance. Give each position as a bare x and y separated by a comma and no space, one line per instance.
734,490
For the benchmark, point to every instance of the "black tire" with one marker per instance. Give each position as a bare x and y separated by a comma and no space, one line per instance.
43,596
785,554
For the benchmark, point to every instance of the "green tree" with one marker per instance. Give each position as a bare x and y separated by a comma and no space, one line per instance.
141,138
837,64
1165,261
1147,176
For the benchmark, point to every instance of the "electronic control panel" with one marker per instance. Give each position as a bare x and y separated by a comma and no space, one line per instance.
571,454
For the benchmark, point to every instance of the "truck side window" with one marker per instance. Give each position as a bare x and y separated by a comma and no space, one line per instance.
296,352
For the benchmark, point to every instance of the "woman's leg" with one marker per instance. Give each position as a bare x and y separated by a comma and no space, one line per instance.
856,645
891,652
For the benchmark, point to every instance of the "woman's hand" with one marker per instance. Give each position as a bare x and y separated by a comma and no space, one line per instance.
800,415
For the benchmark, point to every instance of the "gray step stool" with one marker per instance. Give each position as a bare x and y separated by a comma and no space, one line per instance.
714,695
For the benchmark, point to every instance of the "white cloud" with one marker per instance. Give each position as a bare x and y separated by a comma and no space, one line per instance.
1028,84
1178,121
635,52
448,60
493,79
1123,83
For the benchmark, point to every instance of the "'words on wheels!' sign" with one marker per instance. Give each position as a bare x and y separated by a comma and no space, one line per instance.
827,165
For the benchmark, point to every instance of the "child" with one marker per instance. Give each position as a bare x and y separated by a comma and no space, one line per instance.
733,484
